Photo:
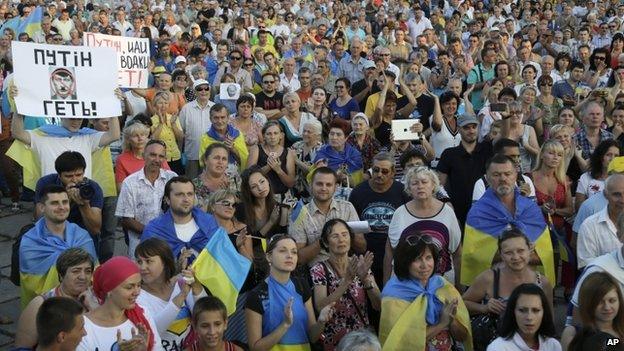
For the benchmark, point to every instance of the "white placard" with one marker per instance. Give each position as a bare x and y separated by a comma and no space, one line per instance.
359,227
133,57
65,81
229,91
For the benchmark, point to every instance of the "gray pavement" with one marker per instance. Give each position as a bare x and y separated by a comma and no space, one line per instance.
10,224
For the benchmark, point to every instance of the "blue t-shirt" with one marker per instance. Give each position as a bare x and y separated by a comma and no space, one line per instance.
74,212
344,112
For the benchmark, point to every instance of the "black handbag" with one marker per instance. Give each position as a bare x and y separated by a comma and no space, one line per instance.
484,326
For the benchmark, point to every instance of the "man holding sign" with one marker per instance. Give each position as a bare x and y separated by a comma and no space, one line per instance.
72,96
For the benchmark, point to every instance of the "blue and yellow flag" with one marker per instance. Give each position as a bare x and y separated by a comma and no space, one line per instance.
486,221
403,323
221,269
182,322
38,252
32,23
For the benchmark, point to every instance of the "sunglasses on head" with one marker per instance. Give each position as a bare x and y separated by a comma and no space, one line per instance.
413,240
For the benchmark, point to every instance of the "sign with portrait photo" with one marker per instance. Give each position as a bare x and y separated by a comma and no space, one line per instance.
65,81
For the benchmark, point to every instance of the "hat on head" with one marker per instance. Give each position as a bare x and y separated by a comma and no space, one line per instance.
467,119
159,70
362,116
616,165
369,64
179,59
199,82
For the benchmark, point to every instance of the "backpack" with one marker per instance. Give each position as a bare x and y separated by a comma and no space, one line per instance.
15,271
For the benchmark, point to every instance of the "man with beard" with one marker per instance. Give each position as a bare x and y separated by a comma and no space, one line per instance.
500,208
183,226
461,166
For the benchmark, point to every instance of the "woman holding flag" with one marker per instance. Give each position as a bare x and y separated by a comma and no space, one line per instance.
165,294
416,294
279,310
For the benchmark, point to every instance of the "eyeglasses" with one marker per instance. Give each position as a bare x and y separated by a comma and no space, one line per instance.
383,171
602,58
268,81
202,88
248,64
546,84
413,240
236,58
226,203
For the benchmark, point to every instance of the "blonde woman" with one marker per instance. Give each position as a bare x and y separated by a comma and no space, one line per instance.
166,127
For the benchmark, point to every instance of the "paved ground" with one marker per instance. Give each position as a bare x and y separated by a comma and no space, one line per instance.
11,222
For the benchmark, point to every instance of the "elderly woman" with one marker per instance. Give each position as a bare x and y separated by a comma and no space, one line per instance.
305,152
217,174
75,269
275,161
119,320
167,128
362,139
135,137
223,132
245,121
294,119
531,114
426,214
341,156
345,281
420,310
490,291
222,205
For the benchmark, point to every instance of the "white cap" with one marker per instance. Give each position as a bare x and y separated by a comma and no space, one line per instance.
179,59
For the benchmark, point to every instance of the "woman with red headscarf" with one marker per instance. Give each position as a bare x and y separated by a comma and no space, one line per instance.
119,322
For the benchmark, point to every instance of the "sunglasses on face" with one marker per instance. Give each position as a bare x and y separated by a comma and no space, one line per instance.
202,89
546,84
236,58
383,171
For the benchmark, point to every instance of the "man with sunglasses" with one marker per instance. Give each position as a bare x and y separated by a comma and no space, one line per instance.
375,201
235,67
195,121
269,100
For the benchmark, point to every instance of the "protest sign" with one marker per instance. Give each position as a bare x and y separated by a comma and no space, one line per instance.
65,81
133,57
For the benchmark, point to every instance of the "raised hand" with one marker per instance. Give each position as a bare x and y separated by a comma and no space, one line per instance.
136,343
364,264
288,313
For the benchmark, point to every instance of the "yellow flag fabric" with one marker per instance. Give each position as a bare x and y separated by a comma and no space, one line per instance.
403,327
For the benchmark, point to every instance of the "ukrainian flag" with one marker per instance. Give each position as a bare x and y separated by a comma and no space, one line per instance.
221,269
182,322
38,252
486,221
32,23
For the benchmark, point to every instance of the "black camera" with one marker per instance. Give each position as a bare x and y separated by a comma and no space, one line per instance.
85,189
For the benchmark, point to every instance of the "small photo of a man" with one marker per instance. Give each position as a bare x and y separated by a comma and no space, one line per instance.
62,83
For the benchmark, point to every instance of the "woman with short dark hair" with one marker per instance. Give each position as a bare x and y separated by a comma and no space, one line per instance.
420,310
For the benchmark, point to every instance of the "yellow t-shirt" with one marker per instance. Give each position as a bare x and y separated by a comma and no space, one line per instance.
166,135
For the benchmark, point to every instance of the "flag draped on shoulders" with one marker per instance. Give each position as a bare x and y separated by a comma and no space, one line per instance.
38,252
31,168
221,269
407,308
350,158
486,221
296,337
162,227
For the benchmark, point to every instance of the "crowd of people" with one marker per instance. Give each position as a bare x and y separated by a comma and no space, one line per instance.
396,175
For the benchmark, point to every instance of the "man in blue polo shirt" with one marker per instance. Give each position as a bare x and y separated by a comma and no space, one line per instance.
85,195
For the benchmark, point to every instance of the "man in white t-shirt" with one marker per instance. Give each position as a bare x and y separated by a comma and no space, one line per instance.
183,226
49,141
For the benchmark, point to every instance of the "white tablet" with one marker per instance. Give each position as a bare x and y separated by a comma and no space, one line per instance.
401,129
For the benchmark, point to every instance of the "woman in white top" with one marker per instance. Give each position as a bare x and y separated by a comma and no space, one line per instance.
515,129
164,294
119,322
294,119
425,214
445,131
527,323
592,181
